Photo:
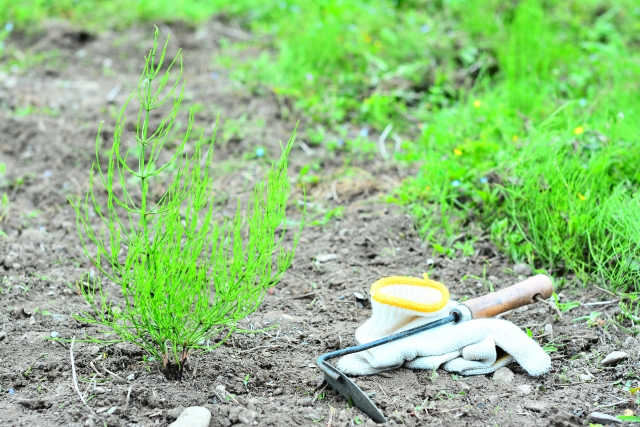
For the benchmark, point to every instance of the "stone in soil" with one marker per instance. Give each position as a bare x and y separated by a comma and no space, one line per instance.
524,390
193,416
326,257
523,269
614,357
461,386
630,342
534,405
503,375
305,401
585,377
604,419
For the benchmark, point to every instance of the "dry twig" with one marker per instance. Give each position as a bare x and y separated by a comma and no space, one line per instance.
126,405
75,378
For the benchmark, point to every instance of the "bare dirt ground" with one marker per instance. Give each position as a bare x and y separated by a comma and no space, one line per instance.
49,114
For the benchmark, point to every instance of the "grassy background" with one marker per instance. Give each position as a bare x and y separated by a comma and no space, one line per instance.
523,115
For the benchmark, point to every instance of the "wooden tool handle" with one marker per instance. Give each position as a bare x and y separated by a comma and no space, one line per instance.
515,296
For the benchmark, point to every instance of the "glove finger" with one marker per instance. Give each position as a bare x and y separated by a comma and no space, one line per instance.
360,364
484,351
470,367
431,362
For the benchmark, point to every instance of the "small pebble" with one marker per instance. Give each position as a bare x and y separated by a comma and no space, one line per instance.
305,401
462,386
131,377
358,295
604,419
99,390
614,357
503,375
493,398
524,390
548,329
193,416
534,405
480,405
54,334
93,350
326,257
430,261
112,410
630,342
585,377
11,391
3,335
523,269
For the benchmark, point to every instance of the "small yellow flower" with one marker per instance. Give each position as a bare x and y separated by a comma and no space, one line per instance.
581,197
477,103
428,188
514,138
457,152
367,38
628,412
578,130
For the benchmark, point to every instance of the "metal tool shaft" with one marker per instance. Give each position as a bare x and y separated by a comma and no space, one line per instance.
452,318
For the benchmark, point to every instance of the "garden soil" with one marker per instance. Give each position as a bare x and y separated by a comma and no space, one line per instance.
50,112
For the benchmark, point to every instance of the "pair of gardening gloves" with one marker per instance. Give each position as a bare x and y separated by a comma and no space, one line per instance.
474,347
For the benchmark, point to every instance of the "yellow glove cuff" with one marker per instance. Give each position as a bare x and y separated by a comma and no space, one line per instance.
423,295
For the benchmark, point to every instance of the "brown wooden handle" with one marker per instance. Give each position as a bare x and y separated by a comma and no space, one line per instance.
515,296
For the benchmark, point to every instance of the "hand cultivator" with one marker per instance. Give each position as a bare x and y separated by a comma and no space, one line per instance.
462,338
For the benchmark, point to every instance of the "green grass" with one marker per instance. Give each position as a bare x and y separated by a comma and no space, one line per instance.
522,115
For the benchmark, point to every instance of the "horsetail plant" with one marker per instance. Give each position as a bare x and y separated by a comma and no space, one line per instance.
185,278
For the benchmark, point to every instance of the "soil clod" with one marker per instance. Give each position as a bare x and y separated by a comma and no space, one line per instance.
503,375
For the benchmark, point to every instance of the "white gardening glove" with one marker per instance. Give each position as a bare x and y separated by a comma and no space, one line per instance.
470,348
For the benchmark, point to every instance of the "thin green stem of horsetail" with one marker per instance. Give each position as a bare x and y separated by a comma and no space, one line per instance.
184,277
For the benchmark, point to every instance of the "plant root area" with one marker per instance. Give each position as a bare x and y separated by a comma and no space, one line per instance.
50,115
